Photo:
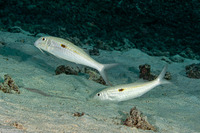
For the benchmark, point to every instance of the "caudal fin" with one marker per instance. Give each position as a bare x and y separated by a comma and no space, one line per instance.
160,78
103,73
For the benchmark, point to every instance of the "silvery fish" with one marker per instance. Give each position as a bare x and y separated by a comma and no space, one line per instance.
64,49
129,91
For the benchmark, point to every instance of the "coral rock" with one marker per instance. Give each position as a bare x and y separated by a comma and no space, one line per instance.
93,74
145,73
79,114
136,119
193,71
67,70
94,51
9,85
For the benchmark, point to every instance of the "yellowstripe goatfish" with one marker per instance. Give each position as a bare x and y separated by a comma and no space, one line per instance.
129,91
64,49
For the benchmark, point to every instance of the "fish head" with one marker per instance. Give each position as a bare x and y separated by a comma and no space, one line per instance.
110,94
101,96
42,43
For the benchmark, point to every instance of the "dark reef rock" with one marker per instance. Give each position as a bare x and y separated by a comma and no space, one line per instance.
93,74
193,71
156,27
168,76
2,43
94,51
136,119
145,73
9,85
67,70
177,59
166,60
189,53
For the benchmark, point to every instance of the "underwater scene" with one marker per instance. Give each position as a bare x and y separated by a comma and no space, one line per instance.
101,66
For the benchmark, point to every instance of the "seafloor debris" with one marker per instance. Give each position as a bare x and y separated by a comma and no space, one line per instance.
166,60
145,73
2,43
93,74
79,114
67,70
136,119
193,71
177,58
18,125
168,76
94,51
8,86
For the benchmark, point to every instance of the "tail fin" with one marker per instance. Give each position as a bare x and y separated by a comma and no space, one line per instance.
103,73
160,78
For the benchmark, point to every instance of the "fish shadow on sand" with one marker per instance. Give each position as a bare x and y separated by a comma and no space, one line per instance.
22,56
37,91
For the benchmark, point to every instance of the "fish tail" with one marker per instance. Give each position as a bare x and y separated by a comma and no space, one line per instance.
160,78
103,72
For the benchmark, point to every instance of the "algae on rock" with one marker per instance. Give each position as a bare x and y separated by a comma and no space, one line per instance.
9,86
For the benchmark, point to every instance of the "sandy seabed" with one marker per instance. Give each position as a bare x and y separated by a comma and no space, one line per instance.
47,101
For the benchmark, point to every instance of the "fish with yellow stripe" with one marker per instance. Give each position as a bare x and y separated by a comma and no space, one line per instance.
64,49
129,91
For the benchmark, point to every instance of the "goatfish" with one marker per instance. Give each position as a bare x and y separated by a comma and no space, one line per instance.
66,50
129,91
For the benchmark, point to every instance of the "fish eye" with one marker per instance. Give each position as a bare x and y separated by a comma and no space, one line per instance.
43,39
98,94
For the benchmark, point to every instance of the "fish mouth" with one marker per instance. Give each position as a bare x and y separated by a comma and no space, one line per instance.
36,45
41,50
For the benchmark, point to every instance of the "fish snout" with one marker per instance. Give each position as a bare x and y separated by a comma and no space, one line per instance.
36,43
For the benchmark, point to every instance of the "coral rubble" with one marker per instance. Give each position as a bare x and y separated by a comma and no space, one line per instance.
177,58
18,125
9,85
93,74
67,70
136,119
79,114
94,51
193,71
145,73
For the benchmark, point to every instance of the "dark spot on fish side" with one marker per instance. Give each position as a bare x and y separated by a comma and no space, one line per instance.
62,45
120,89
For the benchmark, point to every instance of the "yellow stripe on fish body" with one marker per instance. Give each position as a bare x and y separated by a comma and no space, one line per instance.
129,91
59,43
64,49
62,45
